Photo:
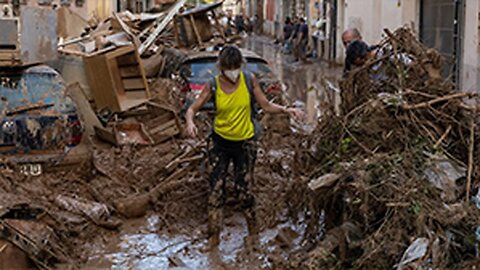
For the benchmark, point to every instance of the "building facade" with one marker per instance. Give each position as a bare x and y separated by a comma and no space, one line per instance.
99,8
85,8
450,26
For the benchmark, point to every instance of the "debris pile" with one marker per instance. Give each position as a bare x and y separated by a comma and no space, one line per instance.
171,26
129,60
394,174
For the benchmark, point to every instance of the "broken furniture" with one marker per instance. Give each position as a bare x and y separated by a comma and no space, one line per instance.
148,124
117,79
25,227
162,123
124,133
28,37
162,23
194,26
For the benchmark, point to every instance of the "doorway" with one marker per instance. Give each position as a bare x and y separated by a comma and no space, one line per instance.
441,28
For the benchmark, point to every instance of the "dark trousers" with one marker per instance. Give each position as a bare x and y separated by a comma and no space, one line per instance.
300,50
242,154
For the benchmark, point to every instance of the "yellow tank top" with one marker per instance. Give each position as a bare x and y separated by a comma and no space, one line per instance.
233,116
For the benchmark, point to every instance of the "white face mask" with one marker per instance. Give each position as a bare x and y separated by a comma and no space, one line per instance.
232,75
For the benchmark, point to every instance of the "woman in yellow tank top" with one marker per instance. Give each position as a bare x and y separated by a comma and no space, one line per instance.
232,135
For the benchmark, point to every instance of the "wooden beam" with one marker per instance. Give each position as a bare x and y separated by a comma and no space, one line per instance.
194,26
222,31
151,39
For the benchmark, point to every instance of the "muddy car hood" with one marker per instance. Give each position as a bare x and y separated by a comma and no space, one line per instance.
35,112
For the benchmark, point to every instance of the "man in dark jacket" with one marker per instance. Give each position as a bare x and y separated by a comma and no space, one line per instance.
301,41
287,33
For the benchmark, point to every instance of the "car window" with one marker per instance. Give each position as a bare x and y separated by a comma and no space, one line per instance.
258,67
204,69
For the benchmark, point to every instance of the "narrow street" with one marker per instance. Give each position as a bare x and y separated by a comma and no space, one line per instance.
120,122
297,77
305,82
145,244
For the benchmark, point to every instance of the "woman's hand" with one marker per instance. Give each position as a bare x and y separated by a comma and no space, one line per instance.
295,113
191,130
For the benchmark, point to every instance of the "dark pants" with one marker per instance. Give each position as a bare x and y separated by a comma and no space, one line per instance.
300,49
242,154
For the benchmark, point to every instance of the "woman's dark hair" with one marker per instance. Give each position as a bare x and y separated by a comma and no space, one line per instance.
229,58
355,50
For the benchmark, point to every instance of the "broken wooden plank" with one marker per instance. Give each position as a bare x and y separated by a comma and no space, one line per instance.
134,84
161,26
27,108
195,30
162,127
126,29
326,180
137,205
165,135
219,25
127,60
89,117
159,120
72,52
106,135
172,165
130,72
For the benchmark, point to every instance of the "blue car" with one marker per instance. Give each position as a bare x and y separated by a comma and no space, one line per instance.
39,124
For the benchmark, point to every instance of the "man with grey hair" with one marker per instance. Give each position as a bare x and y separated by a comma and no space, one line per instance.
350,35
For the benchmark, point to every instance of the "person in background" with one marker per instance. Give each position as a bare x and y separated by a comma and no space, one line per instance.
233,135
296,27
239,23
287,33
358,53
350,35
318,36
256,24
301,41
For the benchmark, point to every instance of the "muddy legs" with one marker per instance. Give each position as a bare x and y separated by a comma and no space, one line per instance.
215,212
243,158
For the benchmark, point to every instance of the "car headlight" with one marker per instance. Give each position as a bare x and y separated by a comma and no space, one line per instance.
9,127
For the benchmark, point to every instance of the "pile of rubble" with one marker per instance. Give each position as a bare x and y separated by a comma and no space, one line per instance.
389,181
128,105
172,25
129,60
394,174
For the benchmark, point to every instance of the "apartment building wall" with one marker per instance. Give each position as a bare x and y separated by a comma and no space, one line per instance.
470,64
87,8
372,16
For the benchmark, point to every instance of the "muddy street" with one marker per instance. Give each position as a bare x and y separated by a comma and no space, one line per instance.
176,137
156,243
305,83
297,77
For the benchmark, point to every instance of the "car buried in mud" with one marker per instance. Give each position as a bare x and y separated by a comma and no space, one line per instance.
39,125
198,68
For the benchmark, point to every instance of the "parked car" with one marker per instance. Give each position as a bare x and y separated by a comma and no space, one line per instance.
198,68
39,124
